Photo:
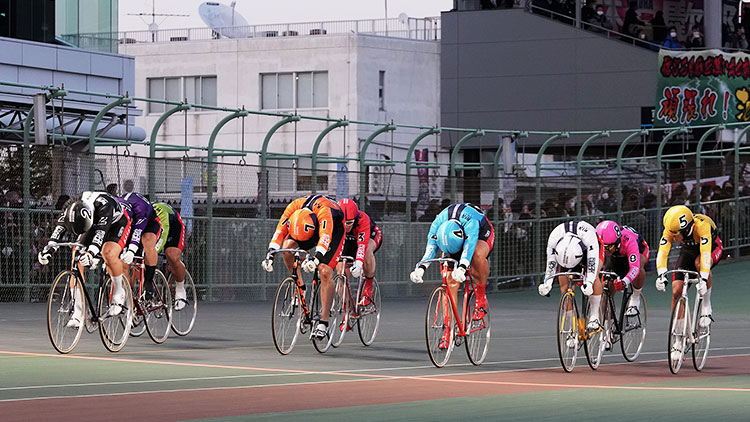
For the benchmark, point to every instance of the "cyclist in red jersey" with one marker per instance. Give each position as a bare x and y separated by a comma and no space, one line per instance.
363,239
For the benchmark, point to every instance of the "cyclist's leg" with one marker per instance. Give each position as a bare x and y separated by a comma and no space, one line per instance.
595,300
150,256
480,269
369,272
325,271
638,282
114,242
174,257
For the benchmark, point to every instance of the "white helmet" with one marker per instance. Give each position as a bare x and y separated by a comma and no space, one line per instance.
569,251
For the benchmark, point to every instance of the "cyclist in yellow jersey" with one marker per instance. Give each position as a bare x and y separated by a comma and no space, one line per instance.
701,249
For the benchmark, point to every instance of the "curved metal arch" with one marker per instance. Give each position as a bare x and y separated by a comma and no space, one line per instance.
316,145
363,164
152,146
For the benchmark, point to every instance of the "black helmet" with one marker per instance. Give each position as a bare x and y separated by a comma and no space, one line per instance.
78,217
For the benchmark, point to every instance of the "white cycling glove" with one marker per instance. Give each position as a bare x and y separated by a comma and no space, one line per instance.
416,275
128,256
545,287
661,282
587,289
702,286
459,274
357,269
309,265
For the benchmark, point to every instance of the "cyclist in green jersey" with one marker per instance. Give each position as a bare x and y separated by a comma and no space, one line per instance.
172,242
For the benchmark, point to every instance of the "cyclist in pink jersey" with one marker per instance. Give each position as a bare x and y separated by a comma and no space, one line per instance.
626,254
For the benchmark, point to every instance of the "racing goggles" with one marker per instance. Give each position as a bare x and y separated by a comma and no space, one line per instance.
611,247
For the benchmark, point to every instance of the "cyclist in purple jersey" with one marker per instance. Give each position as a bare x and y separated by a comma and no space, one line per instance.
145,233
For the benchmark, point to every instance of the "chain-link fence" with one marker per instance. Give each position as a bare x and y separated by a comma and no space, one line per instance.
223,252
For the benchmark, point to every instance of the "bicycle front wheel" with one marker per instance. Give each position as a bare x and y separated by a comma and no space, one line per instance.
633,329
114,328
368,309
159,309
65,295
567,331
702,341
341,310
595,339
439,323
286,317
677,339
477,332
185,309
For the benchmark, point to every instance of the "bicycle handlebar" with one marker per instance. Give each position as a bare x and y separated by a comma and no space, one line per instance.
686,272
344,258
56,245
569,273
440,260
609,274
294,251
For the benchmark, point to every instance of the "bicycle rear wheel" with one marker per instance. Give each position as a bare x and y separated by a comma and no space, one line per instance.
633,335
286,317
159,309
341,310
477,333
439,321
322,345
368,309
567,331
184,310
702,341
594,345
677,338
65,290
139,324
115,329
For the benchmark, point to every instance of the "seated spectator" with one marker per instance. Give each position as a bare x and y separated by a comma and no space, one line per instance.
672,42
659,27
696,41
631,21
643,42
600,23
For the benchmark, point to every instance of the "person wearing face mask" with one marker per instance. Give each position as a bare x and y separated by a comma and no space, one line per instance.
696,40
631,22
641,41
599,22
672,42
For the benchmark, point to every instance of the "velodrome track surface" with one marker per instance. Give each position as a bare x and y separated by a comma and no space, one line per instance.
228,369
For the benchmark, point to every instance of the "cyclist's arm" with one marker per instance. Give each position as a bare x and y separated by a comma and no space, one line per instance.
633,255
363,236
591,242
704,231
554,237
431,249
282,229
59,230
471,231
665,244
103,219
325,229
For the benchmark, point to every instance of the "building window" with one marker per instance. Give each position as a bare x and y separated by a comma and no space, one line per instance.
196,89
381,90
294,90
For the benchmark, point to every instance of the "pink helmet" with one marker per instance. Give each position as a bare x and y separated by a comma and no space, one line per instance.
608,232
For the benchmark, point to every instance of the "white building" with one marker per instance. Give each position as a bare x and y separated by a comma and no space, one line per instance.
341,72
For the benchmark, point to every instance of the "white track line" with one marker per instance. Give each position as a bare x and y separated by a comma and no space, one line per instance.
434,377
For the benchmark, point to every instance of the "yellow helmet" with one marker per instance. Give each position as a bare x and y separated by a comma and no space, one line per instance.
678,218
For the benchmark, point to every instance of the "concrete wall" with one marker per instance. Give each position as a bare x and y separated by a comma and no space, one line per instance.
510,69
353,62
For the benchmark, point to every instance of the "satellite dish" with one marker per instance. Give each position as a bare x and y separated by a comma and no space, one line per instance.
403,18
223,19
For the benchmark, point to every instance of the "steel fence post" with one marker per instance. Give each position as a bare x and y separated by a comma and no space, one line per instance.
264,209
620,152
538,207
742,134
579,167
454,156
92,133
408,161
698,157
152,148
659,177
363,165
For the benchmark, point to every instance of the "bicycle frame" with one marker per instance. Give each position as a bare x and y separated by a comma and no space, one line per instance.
578,280
348,261
76,268
469,286
298,279
691,317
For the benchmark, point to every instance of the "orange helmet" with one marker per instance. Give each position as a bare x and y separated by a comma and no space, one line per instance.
349,208
302,225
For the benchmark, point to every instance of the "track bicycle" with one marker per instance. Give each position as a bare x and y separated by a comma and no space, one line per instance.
152,314
292,315
184,310
628,326
572,333
442,313
66,289
364,311
684,328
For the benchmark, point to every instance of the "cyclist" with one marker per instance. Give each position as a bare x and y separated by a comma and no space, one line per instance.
146,229
464,233
363,239
570,244
103,225
626,255
172,242
313,221
701,249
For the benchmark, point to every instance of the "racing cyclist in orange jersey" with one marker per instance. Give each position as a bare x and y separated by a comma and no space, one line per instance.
363,239
313,221
701,249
